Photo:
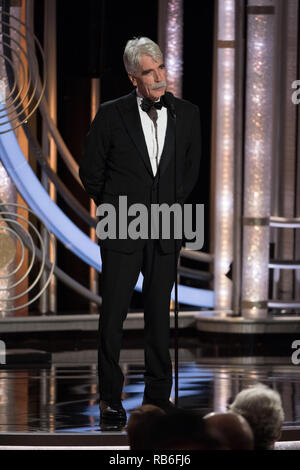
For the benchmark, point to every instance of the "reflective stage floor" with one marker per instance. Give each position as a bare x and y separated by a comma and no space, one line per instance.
60,398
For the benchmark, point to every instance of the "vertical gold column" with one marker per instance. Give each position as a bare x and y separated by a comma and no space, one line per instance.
258,157
95,102
173,46
22,212
50,6
48,301
224,119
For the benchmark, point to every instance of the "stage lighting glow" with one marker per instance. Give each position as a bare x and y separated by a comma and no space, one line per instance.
173,54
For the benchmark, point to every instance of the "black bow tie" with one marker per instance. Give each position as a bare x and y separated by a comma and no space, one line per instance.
148,104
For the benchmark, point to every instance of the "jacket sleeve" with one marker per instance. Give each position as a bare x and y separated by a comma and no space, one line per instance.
193,155
92,165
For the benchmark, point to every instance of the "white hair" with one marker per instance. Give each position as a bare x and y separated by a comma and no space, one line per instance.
262,408
135,48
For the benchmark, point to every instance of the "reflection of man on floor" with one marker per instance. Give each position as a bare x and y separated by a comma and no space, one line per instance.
130,150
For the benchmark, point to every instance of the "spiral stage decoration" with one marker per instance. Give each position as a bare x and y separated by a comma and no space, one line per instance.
18,230
19,82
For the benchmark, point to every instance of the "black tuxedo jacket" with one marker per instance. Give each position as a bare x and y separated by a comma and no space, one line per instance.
115,161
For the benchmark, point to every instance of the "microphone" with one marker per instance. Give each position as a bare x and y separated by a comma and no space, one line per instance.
168,101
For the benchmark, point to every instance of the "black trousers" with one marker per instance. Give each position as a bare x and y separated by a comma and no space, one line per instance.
120,272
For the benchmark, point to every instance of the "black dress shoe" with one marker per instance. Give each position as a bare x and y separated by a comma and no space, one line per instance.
112,414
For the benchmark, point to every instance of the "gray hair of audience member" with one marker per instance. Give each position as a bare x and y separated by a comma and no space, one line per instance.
135,48
262,408
234,430
139,423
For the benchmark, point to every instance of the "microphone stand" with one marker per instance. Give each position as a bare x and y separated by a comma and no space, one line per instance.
171,108
175,272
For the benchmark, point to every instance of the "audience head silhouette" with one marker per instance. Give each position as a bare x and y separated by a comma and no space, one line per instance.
262,408
234,430
140,422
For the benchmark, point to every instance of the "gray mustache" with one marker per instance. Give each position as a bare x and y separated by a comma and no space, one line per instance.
158,85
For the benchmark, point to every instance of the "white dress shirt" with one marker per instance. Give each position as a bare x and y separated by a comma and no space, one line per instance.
149,132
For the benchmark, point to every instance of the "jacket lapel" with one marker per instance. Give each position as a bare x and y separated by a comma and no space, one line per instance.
131,118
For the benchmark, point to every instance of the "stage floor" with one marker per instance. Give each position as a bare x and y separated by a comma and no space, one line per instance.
41,403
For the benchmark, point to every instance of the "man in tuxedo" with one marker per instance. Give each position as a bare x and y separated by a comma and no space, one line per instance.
145,146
